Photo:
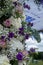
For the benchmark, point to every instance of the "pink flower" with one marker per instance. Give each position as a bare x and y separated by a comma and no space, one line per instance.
2,43
25,53
7,23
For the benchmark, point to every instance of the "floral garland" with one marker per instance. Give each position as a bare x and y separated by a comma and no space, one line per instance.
13,33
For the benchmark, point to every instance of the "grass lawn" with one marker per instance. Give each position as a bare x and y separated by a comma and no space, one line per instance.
37,63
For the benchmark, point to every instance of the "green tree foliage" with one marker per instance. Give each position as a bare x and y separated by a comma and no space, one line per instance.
5,9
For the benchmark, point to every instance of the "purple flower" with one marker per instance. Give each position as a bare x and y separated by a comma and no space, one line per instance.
19,56
32,50
30,24
15,3
26,36
28,52
11,35
26,6
2,37
21,31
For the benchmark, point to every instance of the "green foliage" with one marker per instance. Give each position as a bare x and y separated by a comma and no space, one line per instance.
5,8
37,62
36,35
38,56
31,32
17,15
14,62
24,26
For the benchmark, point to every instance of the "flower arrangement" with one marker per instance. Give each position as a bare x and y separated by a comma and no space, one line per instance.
13,33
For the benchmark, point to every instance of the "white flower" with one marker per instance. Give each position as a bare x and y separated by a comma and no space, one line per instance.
4,60
23,17
15,44
16,22
20,37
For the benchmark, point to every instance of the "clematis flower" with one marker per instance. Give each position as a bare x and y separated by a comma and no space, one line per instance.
30,24
7,23
26,6
11,35
21,31
27,36
19,56
15,3
32,50
3,37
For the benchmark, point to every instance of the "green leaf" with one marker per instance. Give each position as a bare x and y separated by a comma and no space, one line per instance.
17,15
23,23
14,62
36,35
5,8
29,30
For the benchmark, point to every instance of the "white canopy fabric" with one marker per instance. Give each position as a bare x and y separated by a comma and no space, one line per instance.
32,43
36,16
35,13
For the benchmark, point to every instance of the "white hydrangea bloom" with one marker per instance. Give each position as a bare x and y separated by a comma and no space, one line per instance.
16,22
4,60
15,44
